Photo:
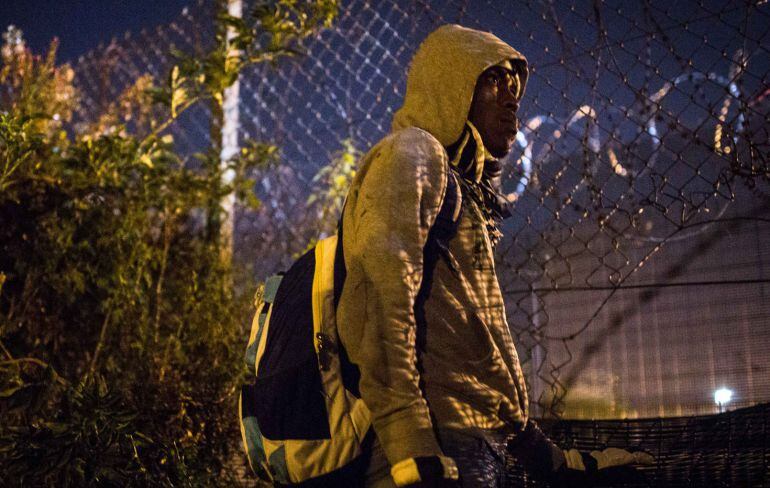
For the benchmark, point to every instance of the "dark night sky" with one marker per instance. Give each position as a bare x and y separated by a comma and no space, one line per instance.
81,25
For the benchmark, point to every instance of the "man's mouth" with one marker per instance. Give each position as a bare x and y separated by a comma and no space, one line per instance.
510,124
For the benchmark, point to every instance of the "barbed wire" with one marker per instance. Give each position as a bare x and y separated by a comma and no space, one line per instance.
641,162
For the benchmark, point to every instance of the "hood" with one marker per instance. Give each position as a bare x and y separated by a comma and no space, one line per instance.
442,78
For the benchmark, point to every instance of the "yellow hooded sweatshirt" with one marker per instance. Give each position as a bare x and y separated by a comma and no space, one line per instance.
465,372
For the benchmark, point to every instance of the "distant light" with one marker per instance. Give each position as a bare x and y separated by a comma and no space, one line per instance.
722,397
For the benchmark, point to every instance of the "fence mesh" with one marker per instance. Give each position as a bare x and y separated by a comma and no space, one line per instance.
635,268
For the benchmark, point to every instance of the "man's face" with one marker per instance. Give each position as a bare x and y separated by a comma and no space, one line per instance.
494,107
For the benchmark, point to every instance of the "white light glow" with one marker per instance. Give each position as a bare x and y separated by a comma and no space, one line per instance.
723,396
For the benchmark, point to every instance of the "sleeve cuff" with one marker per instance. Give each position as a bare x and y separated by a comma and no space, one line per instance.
407,437
424,469
574,460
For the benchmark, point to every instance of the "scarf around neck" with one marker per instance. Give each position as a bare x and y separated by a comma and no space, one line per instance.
479,175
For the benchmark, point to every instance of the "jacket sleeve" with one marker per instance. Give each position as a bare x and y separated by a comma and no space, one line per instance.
396,203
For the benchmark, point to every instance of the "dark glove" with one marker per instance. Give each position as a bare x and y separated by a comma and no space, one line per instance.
602,468
426,472
544,460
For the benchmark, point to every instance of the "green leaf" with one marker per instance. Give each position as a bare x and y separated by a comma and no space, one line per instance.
179,93
8,392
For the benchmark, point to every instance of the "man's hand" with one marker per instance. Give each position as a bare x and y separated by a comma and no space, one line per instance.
602,468
544,459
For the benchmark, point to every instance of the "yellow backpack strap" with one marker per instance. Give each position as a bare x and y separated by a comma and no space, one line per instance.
263,299
323,281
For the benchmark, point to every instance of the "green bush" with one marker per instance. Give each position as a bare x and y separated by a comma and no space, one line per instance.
122,317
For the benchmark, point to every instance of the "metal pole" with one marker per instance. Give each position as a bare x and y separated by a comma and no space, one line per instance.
538,357
230,147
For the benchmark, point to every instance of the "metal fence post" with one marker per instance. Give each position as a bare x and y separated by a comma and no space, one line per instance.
230,147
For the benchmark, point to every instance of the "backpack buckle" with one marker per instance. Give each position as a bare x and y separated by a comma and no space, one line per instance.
326,348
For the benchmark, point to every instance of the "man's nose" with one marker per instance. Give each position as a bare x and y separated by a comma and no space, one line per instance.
508,98
510,103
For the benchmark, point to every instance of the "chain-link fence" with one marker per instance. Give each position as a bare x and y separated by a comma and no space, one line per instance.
636,265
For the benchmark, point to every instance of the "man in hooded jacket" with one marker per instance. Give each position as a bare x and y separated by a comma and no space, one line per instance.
438,367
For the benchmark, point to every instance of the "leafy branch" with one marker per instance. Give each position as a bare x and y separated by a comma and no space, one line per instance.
275,31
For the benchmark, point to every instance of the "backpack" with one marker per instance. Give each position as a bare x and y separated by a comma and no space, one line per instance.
301,416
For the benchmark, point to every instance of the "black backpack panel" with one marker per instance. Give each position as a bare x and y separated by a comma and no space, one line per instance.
290,402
